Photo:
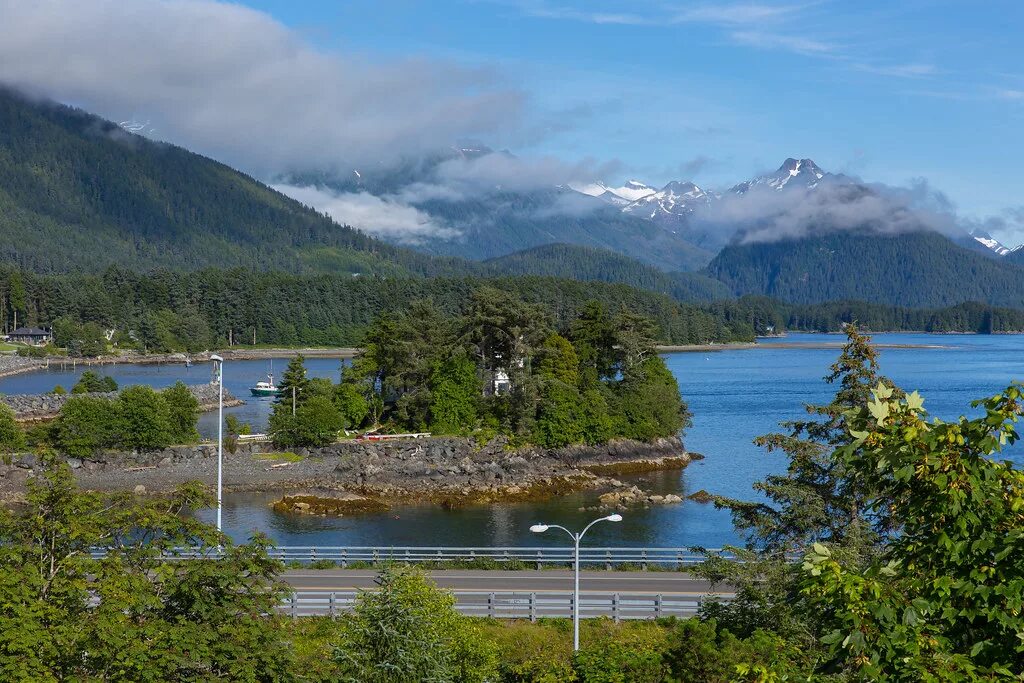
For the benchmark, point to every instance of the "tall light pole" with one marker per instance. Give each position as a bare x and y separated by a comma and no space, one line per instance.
576,538
220,435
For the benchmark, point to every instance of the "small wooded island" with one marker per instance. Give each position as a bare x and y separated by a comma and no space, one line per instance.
517,409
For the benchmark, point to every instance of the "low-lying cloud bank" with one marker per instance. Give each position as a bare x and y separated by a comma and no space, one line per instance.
379,216
767,215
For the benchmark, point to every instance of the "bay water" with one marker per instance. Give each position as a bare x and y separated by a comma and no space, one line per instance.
734,395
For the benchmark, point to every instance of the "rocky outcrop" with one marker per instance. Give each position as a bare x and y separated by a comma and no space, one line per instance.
631,497
14,365
37,407
451,472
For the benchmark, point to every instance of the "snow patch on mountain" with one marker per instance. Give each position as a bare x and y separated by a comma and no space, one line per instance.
991,243
630,191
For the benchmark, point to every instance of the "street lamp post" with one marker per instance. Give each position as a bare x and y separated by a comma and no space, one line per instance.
220,435
576,538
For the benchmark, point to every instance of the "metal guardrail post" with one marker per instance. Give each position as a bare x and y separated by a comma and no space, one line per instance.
312,554
657,606
608,560
490,605
615,607
330,605
540,558
533,607
374,557
344,558
294,605
643,559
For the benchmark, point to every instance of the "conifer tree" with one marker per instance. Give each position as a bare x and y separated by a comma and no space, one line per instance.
816,499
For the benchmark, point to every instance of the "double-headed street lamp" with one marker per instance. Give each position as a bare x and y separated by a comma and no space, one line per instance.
220,435
541,528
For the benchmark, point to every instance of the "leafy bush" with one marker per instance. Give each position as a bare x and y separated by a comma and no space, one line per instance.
92,383
407,632
12,438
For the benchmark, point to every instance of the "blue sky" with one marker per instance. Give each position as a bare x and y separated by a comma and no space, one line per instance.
713,91
718,91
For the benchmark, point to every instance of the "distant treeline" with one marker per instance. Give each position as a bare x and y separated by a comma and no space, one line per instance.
831,316
167,311
164,311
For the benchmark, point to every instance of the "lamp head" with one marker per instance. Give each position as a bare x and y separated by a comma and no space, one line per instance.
539,528
614,518
216,359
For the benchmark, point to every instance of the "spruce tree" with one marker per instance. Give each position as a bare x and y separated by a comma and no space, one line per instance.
816,499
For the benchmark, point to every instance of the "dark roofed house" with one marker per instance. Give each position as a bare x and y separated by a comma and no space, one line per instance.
30,335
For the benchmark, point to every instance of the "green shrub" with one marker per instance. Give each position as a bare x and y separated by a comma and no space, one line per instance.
12,438
408,631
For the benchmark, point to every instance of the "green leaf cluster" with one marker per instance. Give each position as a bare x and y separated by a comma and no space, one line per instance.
131,615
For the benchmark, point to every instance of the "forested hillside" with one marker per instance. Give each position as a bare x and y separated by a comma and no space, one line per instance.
914,269
79,193
587,263
168,310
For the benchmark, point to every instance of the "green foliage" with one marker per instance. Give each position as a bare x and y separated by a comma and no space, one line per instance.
92,383
59,390
144,419
408,631
816,499
943,600
183,620
12,438
559,416
352,405
316,422
80,339
700,652
294,382
183,409
85,425
454,395
649,403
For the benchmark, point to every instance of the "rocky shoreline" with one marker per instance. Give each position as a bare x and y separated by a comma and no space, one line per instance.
451,472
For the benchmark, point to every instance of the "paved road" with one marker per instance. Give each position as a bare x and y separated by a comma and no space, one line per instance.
520,594
508,581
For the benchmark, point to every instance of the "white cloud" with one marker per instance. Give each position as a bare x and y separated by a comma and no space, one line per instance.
236,84
743,13
777,41
378,216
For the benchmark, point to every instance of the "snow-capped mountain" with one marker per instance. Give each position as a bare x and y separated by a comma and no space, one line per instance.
986,240
630,191
676,199
793,173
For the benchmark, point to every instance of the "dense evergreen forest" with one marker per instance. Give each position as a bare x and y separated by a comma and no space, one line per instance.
922,269
169,311
502,367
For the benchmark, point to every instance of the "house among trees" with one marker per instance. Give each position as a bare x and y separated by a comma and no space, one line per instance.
30,335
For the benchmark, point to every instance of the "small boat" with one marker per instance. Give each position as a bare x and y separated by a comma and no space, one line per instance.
267,388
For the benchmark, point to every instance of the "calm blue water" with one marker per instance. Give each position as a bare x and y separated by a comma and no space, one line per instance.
734,396
238,377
